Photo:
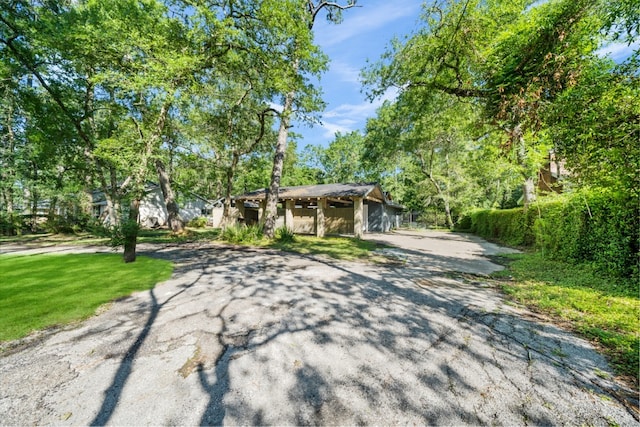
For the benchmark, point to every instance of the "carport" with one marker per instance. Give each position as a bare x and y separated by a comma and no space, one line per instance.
327,208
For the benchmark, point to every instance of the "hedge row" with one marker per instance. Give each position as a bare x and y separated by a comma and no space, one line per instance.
595,227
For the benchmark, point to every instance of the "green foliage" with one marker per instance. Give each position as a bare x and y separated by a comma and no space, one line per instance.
61,224
199,222
593,226
11,224
597,226
341,161
602,309
39,291
509,226
242,234
596,125
285,235
123,232
296,169
526,73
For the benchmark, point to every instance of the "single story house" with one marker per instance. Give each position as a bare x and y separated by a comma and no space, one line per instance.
153,210
326,209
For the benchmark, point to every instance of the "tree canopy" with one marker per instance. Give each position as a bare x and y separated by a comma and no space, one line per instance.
200,95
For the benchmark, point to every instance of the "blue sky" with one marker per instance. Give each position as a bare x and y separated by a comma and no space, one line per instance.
364,34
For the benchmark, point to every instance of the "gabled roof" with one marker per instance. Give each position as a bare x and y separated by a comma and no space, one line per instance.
368,190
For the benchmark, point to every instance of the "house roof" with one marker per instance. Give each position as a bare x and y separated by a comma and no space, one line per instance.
98,196
370,191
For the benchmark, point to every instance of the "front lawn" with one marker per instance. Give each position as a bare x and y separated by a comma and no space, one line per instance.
38,291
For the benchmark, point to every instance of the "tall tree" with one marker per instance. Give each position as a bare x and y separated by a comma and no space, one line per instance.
511,57
296,19
341,161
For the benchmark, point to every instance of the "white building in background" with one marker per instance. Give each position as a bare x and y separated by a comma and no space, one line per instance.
153,211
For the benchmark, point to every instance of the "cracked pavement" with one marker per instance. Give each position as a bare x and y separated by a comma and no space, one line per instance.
256,337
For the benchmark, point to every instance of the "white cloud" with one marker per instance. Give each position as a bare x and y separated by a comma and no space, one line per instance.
618,51
331,129
364,19
349,117
345,72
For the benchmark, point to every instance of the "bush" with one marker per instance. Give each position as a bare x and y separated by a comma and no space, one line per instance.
11,224
285,235
510,226
464,222
199,222
242,234
597,227
58,224
122,233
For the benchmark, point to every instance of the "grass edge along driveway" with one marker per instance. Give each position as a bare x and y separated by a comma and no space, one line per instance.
40,291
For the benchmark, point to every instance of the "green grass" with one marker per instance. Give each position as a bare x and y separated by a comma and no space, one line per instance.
606,311
144,236
39,291
343,248
166,236
51,239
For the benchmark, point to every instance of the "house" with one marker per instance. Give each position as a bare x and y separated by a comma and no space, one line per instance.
326,209
552,173
153,210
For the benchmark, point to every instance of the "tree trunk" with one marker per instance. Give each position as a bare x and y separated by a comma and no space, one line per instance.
445,200
130,231
528,191
53,204
528,186
8,174
226,210
7,196
176,223
447,212
271,211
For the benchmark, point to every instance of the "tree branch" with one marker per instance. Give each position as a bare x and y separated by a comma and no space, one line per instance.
315,9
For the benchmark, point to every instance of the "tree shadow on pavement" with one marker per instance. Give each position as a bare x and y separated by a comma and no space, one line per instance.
340,343
113,392
305,340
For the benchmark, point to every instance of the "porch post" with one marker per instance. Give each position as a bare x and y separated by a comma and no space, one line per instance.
240,207
261,210
322,203
358,217
288,214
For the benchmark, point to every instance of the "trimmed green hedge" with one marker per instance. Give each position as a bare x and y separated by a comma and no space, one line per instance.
597,227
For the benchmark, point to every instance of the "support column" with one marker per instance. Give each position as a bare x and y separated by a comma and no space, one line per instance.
358,217
240,207
261,210
322,203
288,214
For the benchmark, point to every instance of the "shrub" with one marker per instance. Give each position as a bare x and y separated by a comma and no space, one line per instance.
11,224
596,226
62,224
285,235
464,222
242,234
122,233
199,222
58,224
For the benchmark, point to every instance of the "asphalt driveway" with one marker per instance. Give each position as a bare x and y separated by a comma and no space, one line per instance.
262,337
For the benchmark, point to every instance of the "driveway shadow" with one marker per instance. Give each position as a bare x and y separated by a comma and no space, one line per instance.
260,337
